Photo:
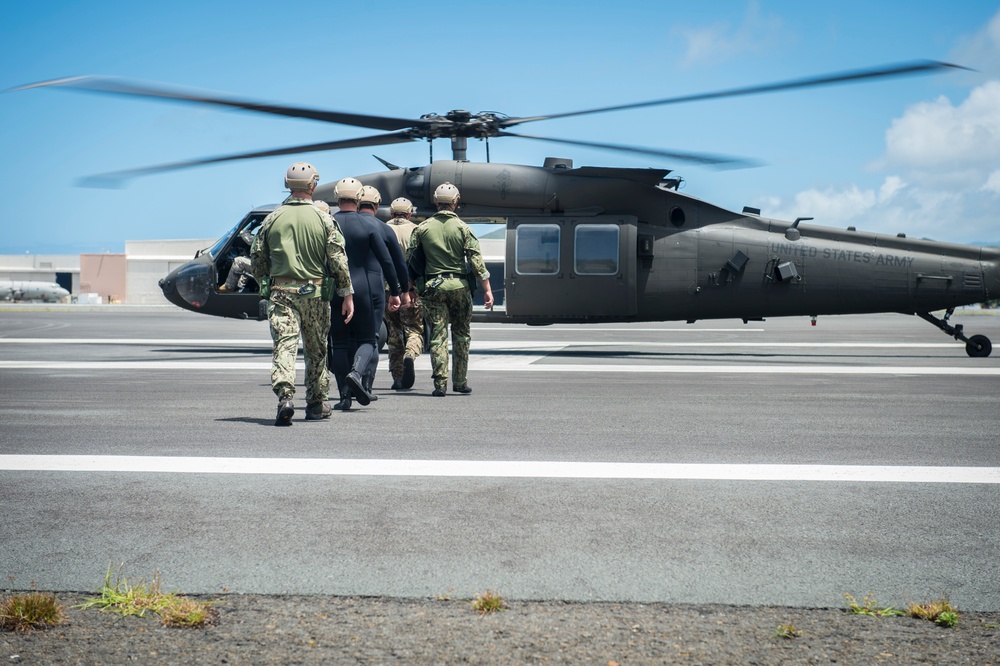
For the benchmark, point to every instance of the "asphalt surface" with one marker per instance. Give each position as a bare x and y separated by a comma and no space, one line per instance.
869,392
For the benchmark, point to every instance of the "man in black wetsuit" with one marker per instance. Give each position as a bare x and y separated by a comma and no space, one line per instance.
368,204
352,345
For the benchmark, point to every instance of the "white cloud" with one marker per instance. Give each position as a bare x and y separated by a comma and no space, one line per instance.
722,42
946,180
937,134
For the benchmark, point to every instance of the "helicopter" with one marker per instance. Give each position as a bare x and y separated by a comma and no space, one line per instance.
605,244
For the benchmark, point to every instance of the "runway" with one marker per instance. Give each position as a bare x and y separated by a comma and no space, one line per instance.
769,463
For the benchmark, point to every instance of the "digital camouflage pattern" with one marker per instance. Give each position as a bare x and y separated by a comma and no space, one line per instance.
447,243
441,308
291,314
300,249
405,326
405,329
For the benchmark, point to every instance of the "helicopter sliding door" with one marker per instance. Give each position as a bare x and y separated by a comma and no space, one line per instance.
573,268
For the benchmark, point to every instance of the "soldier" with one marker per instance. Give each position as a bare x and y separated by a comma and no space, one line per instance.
405,327
445,243
296,251
236,280
351,347
368,205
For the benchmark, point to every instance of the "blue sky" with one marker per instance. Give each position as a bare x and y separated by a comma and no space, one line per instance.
917,155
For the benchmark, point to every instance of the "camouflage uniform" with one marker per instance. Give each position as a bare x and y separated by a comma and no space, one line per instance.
296,247
405,327
237,278
447,242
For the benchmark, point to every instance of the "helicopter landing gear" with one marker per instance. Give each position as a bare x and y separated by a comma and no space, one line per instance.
978,346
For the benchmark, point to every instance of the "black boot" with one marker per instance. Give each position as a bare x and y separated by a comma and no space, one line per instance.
408,373
368,381
357,387
285,412
345,399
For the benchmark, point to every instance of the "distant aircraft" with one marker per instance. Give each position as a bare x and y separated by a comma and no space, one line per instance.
32,290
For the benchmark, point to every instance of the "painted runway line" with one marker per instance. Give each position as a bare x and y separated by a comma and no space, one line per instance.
514,364
498,469
490,345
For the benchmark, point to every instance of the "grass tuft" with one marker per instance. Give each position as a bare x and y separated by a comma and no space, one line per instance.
118,595
869,606
188,614
489,602
941,612
787,631
30,611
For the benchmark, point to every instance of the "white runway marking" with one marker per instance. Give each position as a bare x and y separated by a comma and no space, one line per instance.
514,364
490,345
500,469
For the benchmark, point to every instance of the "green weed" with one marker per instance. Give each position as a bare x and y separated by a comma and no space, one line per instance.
118,595
32,610
869,606
489,602
941,612
787,631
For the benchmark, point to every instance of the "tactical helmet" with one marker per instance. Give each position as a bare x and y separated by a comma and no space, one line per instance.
322,205
401,207
446,193
348,189
369,195
301,176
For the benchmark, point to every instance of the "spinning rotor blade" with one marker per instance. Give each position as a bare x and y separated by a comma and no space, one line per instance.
117,178
705,159
917,67
105,84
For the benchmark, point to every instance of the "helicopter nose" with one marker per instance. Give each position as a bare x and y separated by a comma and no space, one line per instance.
188,286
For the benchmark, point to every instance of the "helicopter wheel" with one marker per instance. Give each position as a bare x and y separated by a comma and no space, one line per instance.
978,346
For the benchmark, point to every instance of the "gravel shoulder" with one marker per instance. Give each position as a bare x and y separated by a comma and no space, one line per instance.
262,629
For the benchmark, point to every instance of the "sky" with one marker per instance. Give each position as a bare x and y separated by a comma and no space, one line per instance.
919,155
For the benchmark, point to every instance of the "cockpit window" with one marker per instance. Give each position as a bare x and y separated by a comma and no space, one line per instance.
596,249
537,249
221,243
251,226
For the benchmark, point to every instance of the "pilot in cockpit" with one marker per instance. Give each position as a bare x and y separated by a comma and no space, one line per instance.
236,281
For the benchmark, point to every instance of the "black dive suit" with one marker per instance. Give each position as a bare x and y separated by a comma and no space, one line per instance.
352,345
399,263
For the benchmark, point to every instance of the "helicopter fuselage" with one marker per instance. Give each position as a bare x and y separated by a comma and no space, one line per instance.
597,244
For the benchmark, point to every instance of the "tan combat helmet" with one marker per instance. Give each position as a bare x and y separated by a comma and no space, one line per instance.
370,196
446,193
348,189
401,207
301,176
322,205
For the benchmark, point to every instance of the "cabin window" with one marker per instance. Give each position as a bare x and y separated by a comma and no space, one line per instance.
537,249
596,249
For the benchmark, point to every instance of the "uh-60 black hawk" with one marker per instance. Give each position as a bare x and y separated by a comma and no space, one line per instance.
598,244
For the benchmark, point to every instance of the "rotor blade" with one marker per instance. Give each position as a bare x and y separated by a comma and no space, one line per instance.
105,84
117,178
917,67
705,159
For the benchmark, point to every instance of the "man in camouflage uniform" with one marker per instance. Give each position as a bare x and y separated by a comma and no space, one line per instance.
297,248
405,327
443,243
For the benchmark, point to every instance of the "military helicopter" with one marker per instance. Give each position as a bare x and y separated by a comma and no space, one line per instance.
602,244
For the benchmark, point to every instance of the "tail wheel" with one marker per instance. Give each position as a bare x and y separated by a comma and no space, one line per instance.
978,346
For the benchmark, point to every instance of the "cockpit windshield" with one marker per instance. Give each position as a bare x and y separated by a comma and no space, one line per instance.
222,242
